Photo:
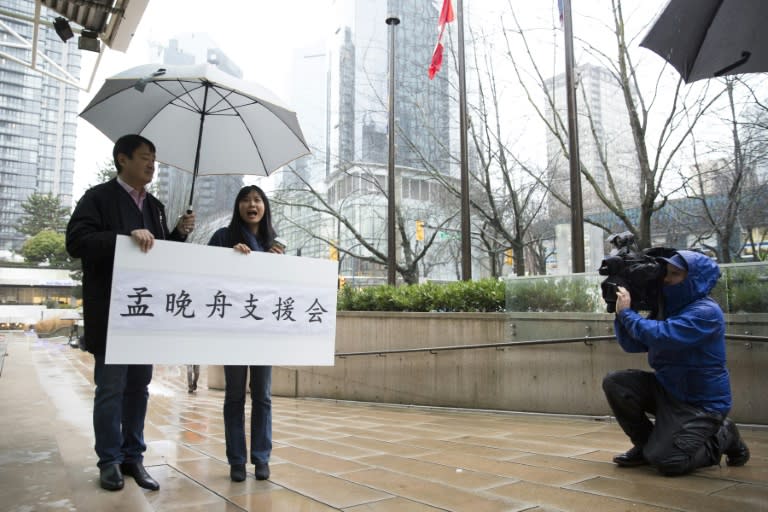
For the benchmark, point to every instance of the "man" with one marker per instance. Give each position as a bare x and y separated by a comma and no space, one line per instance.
689,394
121,206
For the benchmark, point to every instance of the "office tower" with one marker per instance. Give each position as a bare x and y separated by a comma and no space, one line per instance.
38,116
214,195
599,97
360,86
341,99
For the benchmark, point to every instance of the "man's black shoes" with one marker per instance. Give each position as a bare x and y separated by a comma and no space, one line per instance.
737,453
633,457
261,470
137,471
237,472
110,477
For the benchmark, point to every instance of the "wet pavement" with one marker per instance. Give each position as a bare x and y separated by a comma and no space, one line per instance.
331,455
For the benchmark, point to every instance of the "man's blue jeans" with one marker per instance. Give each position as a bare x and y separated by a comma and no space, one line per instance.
119,409
261,413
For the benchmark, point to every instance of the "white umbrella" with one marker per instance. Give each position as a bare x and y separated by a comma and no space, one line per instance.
709,38
201,119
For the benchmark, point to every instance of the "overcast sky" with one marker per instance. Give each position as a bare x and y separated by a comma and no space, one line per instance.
260,36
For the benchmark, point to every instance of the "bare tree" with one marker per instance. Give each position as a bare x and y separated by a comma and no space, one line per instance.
367,247
504,199
728,189
655,150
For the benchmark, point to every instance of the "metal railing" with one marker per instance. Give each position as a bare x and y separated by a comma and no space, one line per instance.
557,341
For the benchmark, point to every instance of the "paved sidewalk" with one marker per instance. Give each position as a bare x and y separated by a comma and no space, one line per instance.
330,455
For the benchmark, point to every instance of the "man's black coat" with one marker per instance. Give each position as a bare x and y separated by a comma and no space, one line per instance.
104,212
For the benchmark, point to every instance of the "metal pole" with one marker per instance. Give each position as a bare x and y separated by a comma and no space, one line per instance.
392,21
328,118
466,240
577,212
203,113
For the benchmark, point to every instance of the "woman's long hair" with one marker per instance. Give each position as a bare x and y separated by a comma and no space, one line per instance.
266,235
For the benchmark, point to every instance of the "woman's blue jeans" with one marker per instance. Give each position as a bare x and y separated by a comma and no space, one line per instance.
119,409
261,413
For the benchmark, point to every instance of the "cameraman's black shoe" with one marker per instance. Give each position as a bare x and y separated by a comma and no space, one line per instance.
633,457
736,453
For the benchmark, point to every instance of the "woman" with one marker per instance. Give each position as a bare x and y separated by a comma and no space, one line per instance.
250,230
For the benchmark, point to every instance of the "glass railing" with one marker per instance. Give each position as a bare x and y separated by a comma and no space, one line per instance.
743,288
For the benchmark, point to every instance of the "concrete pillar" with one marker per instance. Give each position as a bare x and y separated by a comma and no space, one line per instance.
215,377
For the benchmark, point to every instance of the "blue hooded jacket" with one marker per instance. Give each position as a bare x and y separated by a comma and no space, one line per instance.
687,348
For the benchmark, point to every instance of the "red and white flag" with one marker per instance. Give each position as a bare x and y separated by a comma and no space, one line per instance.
446,16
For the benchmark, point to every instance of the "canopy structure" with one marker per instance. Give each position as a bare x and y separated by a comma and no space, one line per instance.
112,22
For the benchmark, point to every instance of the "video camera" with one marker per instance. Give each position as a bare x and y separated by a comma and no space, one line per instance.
637,271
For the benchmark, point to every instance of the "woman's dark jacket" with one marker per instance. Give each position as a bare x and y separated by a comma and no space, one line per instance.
104,212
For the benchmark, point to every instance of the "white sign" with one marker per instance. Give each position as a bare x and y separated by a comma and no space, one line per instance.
182,303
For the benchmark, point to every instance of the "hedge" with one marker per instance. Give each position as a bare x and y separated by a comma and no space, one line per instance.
485,295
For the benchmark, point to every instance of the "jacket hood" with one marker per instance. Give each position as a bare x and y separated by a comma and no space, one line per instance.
703,274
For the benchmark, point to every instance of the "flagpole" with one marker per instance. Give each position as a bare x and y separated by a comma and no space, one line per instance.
577,212
466,240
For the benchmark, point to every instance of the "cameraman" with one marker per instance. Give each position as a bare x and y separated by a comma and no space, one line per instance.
689,394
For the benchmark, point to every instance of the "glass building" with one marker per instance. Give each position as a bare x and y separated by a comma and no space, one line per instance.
341,99
38,117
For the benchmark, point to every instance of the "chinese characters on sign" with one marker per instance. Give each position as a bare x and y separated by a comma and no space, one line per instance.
182,304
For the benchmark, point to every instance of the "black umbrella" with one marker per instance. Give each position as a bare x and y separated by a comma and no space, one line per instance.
711,38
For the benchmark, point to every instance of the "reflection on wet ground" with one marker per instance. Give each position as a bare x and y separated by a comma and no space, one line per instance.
330,455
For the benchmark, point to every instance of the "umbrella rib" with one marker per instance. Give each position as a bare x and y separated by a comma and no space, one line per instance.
254,101
701,43
183,103
223,98
185,100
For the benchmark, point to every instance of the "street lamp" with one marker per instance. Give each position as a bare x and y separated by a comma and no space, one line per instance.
392,21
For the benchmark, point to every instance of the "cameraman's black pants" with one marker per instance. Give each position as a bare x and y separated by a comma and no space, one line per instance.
683,437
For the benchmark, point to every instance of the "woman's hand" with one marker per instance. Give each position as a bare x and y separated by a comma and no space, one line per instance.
242,248
277,249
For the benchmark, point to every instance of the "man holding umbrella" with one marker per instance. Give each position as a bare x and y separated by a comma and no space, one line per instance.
122,206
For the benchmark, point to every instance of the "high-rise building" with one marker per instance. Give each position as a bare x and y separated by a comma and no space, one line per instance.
604,132
213,195
38,116
341,98
360,86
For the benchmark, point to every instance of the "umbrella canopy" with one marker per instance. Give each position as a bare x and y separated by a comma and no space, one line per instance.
201,119
710,38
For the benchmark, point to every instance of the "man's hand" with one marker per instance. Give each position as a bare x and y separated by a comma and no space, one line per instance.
143,238
186,223
623,299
